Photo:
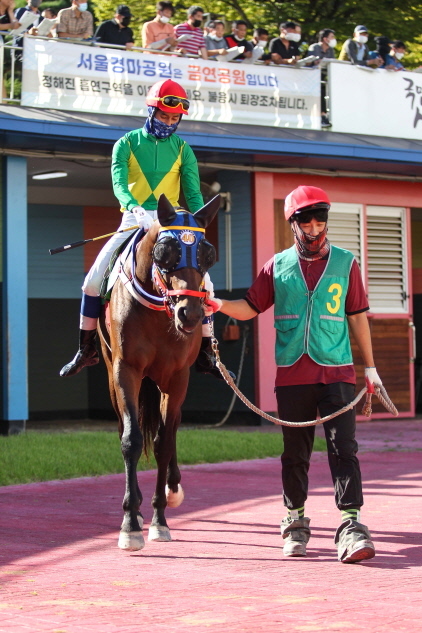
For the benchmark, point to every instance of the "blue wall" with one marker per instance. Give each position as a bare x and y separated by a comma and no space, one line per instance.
239,185
54,276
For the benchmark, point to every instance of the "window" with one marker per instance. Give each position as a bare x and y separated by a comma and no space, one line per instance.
345,228
387,257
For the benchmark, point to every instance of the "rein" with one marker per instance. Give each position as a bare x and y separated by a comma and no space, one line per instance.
380,392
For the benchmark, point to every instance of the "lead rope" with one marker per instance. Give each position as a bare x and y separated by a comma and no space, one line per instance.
380,392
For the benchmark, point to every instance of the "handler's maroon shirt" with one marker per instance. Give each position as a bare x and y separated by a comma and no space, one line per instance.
305,371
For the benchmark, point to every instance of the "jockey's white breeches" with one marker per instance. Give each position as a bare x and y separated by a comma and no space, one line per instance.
93,280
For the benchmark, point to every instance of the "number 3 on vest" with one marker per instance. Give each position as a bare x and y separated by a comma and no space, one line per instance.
338,290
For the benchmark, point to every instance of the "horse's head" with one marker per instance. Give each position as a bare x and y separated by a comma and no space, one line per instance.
181,257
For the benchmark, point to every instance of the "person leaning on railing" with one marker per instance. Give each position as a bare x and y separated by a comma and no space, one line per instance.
8,21
192,27
159,29
76,22
215,40
356,51
285,49
116,31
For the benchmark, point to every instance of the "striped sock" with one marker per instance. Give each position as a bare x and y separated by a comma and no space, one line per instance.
351,513
297,513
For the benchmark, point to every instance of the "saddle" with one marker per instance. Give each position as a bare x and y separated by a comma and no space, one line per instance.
119,256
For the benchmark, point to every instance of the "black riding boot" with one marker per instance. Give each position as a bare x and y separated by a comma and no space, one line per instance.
87,354
206,361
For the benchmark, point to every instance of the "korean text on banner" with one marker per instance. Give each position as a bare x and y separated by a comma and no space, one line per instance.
67,76
384,103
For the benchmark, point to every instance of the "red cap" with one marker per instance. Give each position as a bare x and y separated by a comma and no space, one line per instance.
302,197
166,88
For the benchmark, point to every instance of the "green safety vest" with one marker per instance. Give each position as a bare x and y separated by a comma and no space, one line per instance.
312,321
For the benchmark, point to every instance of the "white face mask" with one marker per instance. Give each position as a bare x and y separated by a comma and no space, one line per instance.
397,55
239,39
214,37
362,39
83,6
332,43
293,37
262,43
164,19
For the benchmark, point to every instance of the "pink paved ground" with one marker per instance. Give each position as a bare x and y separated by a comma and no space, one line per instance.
224,571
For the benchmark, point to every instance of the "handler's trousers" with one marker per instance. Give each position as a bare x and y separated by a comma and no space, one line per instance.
300,403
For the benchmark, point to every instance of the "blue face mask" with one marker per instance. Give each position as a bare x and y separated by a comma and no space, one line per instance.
158,128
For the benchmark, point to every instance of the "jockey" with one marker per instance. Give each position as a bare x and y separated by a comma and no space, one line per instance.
145,163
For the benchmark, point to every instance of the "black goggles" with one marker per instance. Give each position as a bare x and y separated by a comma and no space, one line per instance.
320,215
174,102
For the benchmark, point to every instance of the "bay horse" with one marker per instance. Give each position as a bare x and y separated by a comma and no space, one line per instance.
148,353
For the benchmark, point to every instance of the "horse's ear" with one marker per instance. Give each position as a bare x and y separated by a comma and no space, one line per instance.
205,216
165,211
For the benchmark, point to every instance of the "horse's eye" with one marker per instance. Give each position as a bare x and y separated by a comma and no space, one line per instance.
167,253
206,256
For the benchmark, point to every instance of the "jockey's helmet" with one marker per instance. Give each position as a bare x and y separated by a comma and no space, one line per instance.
168,96
305,199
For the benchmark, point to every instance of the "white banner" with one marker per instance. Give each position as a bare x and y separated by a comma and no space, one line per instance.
68,76
376,102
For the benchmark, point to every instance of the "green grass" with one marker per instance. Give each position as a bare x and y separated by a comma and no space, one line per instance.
35,456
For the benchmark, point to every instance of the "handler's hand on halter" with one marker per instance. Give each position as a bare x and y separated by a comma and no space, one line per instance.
372,379
143,218
213,304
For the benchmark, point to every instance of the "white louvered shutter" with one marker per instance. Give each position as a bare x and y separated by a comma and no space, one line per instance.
345,228
387,263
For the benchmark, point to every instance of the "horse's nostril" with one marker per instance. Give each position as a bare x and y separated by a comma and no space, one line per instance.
182,314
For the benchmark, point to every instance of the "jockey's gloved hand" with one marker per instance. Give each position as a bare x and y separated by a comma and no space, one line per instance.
213,304
143,218
372,379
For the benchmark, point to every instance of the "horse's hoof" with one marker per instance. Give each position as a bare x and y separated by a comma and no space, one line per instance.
159,533
131,541
174,499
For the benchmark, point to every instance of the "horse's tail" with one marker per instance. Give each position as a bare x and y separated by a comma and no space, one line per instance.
149,412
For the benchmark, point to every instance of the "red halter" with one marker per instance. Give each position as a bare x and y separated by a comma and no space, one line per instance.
160,282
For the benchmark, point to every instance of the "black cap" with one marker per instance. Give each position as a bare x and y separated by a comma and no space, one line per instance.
123,9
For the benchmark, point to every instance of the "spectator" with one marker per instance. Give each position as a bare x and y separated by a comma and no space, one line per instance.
192,27
387,54
33,7
117,31
260,38
160,28
8,22
397,52
75,22
284,49
215,40
356,51
50,14
238,38
324,49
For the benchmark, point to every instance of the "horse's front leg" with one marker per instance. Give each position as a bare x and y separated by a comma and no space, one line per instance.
164,450
127,382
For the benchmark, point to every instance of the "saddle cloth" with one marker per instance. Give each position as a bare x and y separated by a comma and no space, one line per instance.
112,271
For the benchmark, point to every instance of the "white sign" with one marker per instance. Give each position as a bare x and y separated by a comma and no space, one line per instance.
68,76
375,102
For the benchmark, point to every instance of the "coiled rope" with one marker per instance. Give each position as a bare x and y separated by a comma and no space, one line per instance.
380,392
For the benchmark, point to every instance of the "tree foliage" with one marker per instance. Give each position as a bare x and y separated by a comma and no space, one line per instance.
386,17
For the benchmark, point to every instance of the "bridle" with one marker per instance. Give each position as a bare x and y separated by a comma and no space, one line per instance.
180,245
159,280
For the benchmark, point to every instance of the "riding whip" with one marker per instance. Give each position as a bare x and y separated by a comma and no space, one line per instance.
67,247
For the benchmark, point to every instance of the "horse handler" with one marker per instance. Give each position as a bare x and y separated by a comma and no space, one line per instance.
314,286
145,163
